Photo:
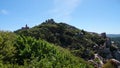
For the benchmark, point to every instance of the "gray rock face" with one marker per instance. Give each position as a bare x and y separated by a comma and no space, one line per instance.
107,53
116,55
110,50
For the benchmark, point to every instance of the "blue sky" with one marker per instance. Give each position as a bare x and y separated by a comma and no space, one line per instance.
90,15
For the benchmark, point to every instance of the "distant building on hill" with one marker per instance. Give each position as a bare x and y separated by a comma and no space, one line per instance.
26,27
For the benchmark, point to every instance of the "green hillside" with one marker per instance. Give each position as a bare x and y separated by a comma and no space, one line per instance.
56,45
81,43
26,52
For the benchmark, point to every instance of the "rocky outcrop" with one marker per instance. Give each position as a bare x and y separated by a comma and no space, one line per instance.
109,50
97,61
116,55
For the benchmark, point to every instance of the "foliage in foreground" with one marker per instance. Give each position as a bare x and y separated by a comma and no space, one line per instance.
27,52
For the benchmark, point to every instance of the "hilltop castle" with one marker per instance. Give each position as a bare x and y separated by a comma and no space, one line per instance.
26,27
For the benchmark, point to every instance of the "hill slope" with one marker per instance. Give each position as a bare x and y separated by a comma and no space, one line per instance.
90,46
79,42
27,52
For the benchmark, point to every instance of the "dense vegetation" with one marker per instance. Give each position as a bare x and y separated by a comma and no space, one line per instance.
18,51
79,42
